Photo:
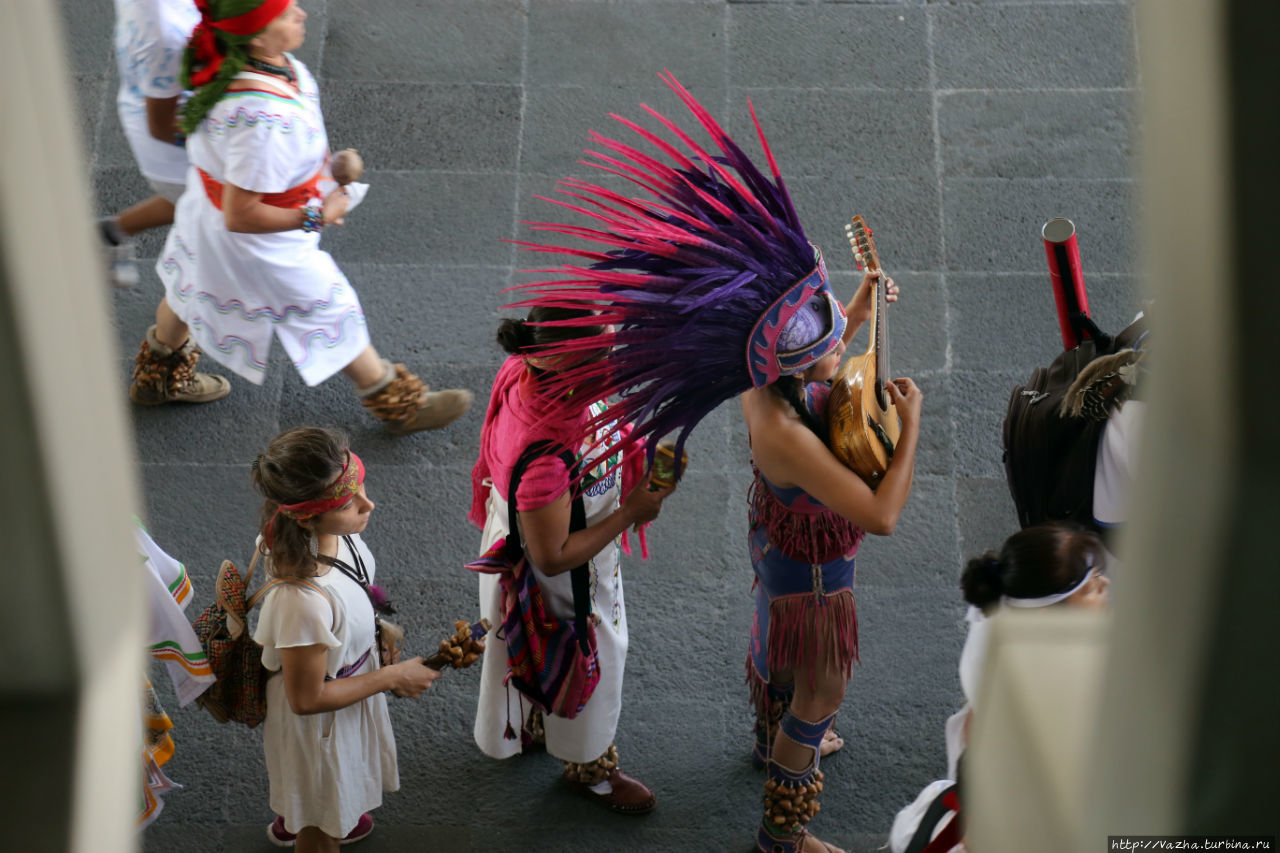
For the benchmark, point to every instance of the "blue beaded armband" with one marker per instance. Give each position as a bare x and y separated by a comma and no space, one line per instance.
312,219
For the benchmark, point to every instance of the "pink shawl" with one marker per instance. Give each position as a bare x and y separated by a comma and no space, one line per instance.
517,416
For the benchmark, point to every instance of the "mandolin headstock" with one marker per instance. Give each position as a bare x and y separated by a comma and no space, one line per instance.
862,243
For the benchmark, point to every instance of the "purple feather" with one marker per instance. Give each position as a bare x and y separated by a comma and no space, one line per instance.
683,274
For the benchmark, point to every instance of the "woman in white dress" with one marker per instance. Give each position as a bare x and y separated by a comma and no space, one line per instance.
519,415
1055,563
242,265
327,735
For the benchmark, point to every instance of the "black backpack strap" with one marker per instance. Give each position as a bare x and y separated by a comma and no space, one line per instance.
924,830
579,577
534,451
1083,324
1134,335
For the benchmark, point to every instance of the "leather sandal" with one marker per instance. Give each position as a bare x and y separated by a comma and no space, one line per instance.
629,795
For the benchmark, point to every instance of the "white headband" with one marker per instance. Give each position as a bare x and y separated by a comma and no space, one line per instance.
1046,600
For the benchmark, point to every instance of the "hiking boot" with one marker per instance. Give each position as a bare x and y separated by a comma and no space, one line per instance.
404,405
162,374
281,837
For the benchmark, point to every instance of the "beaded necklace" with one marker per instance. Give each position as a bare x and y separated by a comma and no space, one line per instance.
267,68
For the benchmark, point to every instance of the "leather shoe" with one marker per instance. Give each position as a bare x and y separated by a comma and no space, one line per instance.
629,796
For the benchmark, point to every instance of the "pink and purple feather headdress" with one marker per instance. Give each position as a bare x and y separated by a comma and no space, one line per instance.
703,285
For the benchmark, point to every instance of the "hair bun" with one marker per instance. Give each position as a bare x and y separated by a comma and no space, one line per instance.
524,333
983,580
514,335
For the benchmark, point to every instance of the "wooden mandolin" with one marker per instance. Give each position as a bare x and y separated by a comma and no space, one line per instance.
863,425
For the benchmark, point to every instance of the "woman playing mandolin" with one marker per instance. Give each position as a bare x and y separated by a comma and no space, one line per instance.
808,514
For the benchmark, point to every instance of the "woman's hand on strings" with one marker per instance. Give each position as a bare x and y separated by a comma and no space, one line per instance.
906,398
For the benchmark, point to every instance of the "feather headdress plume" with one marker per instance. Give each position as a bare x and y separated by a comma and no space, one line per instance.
692,281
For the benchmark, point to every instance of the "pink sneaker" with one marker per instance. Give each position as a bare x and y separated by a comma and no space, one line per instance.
281,837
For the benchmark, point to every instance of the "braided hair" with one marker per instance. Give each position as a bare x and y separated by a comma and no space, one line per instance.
235,54
792,389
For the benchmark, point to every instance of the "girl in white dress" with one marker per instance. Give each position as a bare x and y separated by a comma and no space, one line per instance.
327,735
242,265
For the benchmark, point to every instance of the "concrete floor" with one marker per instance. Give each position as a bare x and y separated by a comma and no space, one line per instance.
955,128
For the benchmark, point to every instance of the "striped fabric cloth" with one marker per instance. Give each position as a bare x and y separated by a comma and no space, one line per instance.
170,638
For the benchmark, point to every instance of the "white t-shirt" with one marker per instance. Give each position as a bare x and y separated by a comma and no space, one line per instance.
1117,453
150,37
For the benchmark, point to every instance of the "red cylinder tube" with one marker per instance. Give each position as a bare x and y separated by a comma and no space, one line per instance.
1069,294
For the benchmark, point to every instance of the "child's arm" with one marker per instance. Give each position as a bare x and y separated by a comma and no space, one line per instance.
308,692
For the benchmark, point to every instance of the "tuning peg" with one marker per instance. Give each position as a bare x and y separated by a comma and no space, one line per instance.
857,256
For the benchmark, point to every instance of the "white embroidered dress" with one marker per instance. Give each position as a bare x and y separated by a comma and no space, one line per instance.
236,291
589,734
325,769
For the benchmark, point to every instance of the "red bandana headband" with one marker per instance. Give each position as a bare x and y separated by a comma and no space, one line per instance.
337,495
208,59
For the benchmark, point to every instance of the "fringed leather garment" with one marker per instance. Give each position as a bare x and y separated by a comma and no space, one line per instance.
803,556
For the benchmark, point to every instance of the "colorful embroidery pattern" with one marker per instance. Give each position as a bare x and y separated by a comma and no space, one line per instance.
227,346
601,465
320,339
617,589
180,589
244,117
275,315
195,663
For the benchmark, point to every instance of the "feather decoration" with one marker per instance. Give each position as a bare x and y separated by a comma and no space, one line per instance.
676,277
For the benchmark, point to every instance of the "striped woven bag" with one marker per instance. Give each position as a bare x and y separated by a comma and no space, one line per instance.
239,695
552,662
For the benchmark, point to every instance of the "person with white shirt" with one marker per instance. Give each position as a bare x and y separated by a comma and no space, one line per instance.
150,37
